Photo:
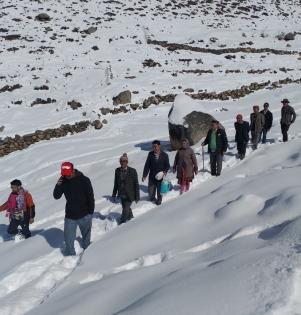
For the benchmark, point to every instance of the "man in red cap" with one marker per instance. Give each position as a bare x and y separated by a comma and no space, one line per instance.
288,117
242,129
80,204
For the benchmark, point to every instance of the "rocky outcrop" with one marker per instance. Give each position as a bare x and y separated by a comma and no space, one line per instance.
11,144
248,50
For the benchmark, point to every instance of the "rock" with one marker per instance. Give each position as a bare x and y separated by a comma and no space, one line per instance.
2,128
189,90
124,97
134,106
97,124
43,17
104,122
90,30
75,105
185,122
105,110
289,36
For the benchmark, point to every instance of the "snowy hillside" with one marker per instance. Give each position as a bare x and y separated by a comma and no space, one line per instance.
232,244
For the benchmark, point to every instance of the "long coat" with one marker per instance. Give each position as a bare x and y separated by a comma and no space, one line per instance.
130,187
185,164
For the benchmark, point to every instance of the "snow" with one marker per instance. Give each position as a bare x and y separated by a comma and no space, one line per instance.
182,106
230,246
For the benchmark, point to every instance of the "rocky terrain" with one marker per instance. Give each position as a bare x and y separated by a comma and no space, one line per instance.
69,60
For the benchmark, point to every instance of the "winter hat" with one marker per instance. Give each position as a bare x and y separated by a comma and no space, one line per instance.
67,169
285,101
239,116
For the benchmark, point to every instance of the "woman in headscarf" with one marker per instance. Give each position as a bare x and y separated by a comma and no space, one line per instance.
185,165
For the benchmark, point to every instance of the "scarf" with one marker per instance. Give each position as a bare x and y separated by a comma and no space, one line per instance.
16,204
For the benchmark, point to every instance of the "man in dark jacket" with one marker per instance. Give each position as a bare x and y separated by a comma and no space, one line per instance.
288,117
217,146
157,161
80,205
242,129
126,185
268,121
256,125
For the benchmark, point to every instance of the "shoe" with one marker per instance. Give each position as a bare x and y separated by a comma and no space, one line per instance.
242,157
217,175
159,201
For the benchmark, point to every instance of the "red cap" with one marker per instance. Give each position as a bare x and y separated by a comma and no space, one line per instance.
67,169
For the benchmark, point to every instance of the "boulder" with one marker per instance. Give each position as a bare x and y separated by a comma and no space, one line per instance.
97,124
124,97
289,36
74,104
186,120
43,17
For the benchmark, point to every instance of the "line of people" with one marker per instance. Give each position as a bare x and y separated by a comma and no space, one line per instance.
78,190
261,123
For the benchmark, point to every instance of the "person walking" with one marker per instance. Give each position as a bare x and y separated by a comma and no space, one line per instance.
20,209
268,121
126,186
242,138
80,204
288,117
256,125
157,162
217,146
185,165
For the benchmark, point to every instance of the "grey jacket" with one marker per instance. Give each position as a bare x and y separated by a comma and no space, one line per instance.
288,115
257,122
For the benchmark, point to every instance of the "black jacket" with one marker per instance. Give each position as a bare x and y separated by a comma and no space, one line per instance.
79,195
288,115
129,186
221,141
153,166
242,132
268,120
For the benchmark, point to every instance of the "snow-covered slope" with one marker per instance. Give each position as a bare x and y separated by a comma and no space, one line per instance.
232,244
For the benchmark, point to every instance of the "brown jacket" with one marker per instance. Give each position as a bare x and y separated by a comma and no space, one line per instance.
185,164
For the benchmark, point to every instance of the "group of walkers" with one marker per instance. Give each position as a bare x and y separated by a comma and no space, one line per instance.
260,124
78,191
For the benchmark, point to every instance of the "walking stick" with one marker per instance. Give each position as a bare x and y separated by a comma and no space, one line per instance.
203,156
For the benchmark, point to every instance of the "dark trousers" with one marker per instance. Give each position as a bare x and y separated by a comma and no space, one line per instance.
255,139
216,163
284,130
154,188
85,226
23,223
264,136
127,213
241,147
